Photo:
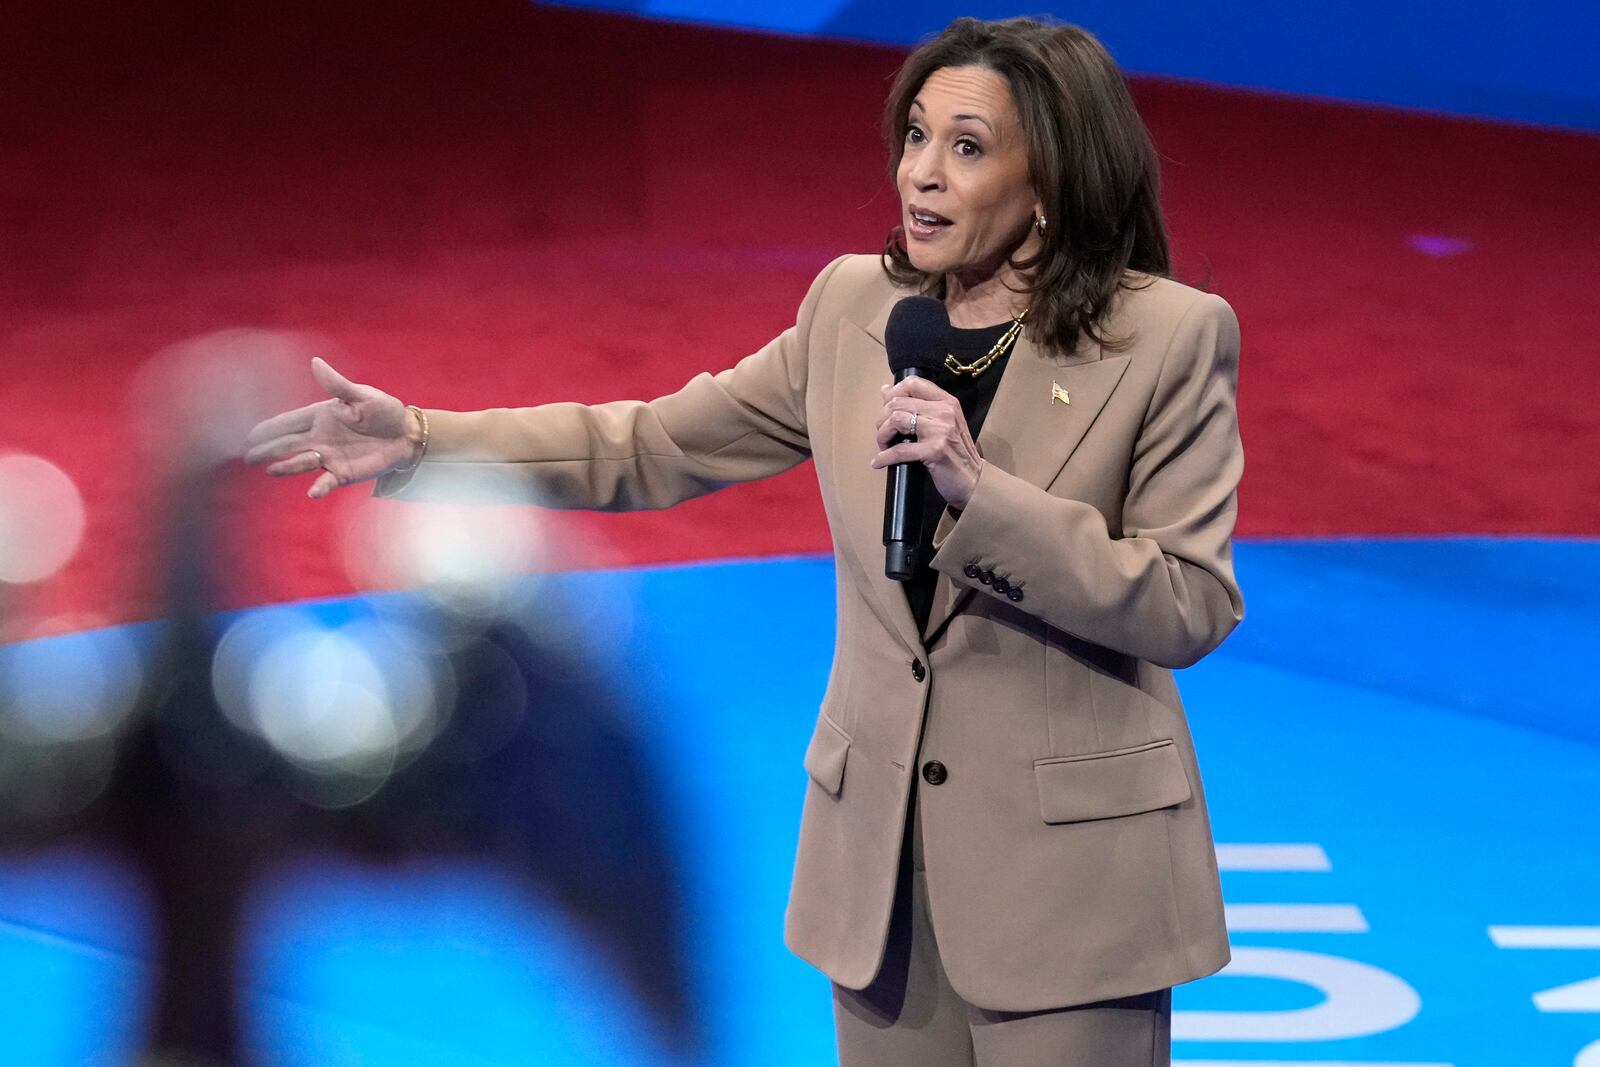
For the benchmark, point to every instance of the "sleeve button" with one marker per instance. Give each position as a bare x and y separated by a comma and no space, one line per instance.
1014,594
987,577
971,570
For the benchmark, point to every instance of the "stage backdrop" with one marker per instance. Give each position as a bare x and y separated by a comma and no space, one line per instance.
1528,62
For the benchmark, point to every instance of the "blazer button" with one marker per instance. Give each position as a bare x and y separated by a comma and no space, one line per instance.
1002,586
971,570
934,772
918,671
1015,594
987,577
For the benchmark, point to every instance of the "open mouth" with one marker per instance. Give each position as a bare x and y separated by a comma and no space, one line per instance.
922,223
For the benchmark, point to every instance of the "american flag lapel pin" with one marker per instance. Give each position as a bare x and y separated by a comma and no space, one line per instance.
1058,393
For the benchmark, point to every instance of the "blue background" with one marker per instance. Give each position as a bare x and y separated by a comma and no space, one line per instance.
1422,710
1533,61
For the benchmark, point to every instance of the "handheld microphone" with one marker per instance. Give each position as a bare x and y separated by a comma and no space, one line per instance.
916,340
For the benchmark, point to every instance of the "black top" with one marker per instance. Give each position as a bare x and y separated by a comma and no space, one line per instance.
975,395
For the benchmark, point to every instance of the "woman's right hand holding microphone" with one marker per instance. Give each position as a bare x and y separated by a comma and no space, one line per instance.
358,434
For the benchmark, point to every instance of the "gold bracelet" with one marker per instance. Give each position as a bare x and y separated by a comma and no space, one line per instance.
423,451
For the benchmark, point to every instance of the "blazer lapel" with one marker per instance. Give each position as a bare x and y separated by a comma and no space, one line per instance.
1043,408
861,371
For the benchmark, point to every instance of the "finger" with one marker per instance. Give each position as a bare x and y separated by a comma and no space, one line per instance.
303,462
887,413
277,448
921,388
899,429
324,485
336,384
909,452
297,421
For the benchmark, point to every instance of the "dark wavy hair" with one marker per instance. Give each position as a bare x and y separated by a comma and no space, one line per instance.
1090,157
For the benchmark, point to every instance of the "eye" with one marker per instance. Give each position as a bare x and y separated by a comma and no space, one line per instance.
914,135
968,148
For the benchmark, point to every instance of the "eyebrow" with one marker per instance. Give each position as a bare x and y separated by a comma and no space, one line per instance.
958,118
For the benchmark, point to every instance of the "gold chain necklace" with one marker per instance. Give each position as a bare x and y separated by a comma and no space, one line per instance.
985,361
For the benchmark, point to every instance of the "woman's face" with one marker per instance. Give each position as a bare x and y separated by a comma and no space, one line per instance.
966,199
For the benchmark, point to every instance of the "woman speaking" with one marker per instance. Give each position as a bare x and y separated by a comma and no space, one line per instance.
1004,857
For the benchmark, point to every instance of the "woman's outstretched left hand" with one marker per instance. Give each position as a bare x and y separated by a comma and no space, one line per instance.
943,444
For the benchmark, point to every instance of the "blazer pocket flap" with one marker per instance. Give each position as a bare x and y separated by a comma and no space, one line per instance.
1103,785
826,754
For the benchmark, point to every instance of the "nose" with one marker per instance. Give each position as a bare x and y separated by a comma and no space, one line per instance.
924,172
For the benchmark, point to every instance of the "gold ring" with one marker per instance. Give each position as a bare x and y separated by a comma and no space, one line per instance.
321,463
913,430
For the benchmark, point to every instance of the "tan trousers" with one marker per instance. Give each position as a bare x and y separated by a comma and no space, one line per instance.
910,1015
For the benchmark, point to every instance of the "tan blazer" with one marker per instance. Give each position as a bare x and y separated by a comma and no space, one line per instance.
1069,855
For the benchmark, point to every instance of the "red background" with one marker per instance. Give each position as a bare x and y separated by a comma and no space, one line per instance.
496,203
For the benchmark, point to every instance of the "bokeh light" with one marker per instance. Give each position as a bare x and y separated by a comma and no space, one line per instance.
196,400
473,556
41,518
65,695
346,704
71,686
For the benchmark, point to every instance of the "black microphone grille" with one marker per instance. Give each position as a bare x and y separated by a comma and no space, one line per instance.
916,334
